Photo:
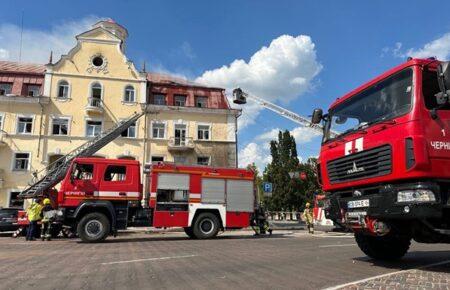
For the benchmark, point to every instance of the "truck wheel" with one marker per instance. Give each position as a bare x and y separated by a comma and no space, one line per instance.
206,226
189,232
387,248
93,227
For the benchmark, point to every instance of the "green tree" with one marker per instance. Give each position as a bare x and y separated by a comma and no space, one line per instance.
289,193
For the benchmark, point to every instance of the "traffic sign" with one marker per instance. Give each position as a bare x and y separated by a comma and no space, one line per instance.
267,187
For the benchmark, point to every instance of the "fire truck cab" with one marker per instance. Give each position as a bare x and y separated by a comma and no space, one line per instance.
387,173
98,196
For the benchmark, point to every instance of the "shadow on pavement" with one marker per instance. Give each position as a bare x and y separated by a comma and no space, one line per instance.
411,260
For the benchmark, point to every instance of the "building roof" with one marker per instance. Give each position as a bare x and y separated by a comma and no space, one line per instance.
21,67
165,79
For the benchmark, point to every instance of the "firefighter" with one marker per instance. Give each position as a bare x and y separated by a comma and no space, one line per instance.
308,216
34,215
47,219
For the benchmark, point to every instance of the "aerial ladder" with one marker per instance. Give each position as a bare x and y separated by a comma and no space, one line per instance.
55,172
240,97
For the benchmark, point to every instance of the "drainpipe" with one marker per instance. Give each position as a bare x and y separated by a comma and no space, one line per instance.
40,127
236,137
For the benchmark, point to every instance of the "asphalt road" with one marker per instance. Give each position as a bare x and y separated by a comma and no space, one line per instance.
287,260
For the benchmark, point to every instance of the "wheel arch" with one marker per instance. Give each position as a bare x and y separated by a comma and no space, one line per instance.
214,211
104,207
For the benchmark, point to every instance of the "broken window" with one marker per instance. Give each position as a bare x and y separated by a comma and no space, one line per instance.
60,126
93,128
21,161
130,132
203,160
5,89
201,102
180,100
115,173
33,91
159,99
24,125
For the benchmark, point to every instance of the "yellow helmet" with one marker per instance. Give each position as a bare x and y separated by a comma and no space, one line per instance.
307,204
47,201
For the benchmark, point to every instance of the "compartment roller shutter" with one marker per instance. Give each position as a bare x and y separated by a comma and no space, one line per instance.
240,196
173,181
213,190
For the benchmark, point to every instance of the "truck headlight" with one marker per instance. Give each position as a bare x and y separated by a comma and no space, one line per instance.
416,195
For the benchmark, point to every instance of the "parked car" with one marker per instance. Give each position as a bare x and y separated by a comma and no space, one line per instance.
8,219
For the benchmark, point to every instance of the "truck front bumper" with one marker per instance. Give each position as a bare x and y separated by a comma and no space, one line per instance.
381,202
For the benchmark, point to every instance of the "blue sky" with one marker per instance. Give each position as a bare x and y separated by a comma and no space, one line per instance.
353,41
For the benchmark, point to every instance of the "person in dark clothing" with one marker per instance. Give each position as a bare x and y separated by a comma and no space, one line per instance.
47,219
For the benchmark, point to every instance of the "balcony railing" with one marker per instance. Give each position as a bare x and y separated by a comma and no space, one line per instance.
180,144
95,105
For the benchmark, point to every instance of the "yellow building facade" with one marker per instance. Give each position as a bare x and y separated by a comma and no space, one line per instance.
89,90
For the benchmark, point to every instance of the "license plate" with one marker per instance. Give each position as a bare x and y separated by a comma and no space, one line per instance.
358,203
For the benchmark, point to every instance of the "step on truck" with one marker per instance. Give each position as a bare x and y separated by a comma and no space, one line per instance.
98,197
387,173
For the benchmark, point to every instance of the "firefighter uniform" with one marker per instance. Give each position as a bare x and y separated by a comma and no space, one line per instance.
308,215
47,219
34,215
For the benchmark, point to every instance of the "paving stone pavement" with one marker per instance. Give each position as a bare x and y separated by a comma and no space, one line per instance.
437,277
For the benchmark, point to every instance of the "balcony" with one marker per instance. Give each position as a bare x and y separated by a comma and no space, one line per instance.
180,144
94,106
11,98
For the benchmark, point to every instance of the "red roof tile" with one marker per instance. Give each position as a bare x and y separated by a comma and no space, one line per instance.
20,67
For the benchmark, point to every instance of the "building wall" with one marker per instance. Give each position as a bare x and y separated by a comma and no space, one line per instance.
76,68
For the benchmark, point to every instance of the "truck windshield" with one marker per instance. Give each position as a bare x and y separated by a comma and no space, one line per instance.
385,100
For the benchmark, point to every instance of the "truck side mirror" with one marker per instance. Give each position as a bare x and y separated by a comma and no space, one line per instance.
317,116
443,71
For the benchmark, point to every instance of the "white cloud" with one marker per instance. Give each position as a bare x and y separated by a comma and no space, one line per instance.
280,72
439,48
254,153
37,44
258,151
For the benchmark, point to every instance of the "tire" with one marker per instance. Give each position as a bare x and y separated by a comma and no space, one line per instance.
93,227
189,232
206,226
386,248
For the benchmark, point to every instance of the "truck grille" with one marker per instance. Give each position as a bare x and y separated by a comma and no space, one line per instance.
369,163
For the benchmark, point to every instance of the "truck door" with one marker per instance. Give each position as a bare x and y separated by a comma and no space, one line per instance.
172,196
119,182
84,181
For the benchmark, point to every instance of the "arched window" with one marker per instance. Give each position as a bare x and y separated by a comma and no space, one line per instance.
129,95
63,89
96,91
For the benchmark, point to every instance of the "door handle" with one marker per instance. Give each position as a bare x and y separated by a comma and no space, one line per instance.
122,193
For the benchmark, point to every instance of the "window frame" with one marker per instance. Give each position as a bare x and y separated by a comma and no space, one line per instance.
69,121
201,98
208,163
129,88
125,180
58,89
2,121
17,124
179,96
164,130
86,127
10,88
157,156
135,131
91,89
38,87
163,96
14,159
10,195
209,131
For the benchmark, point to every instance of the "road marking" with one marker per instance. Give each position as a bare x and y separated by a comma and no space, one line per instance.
338,245
387,275
149,259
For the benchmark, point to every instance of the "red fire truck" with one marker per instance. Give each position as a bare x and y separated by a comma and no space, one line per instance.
98,196
387,174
